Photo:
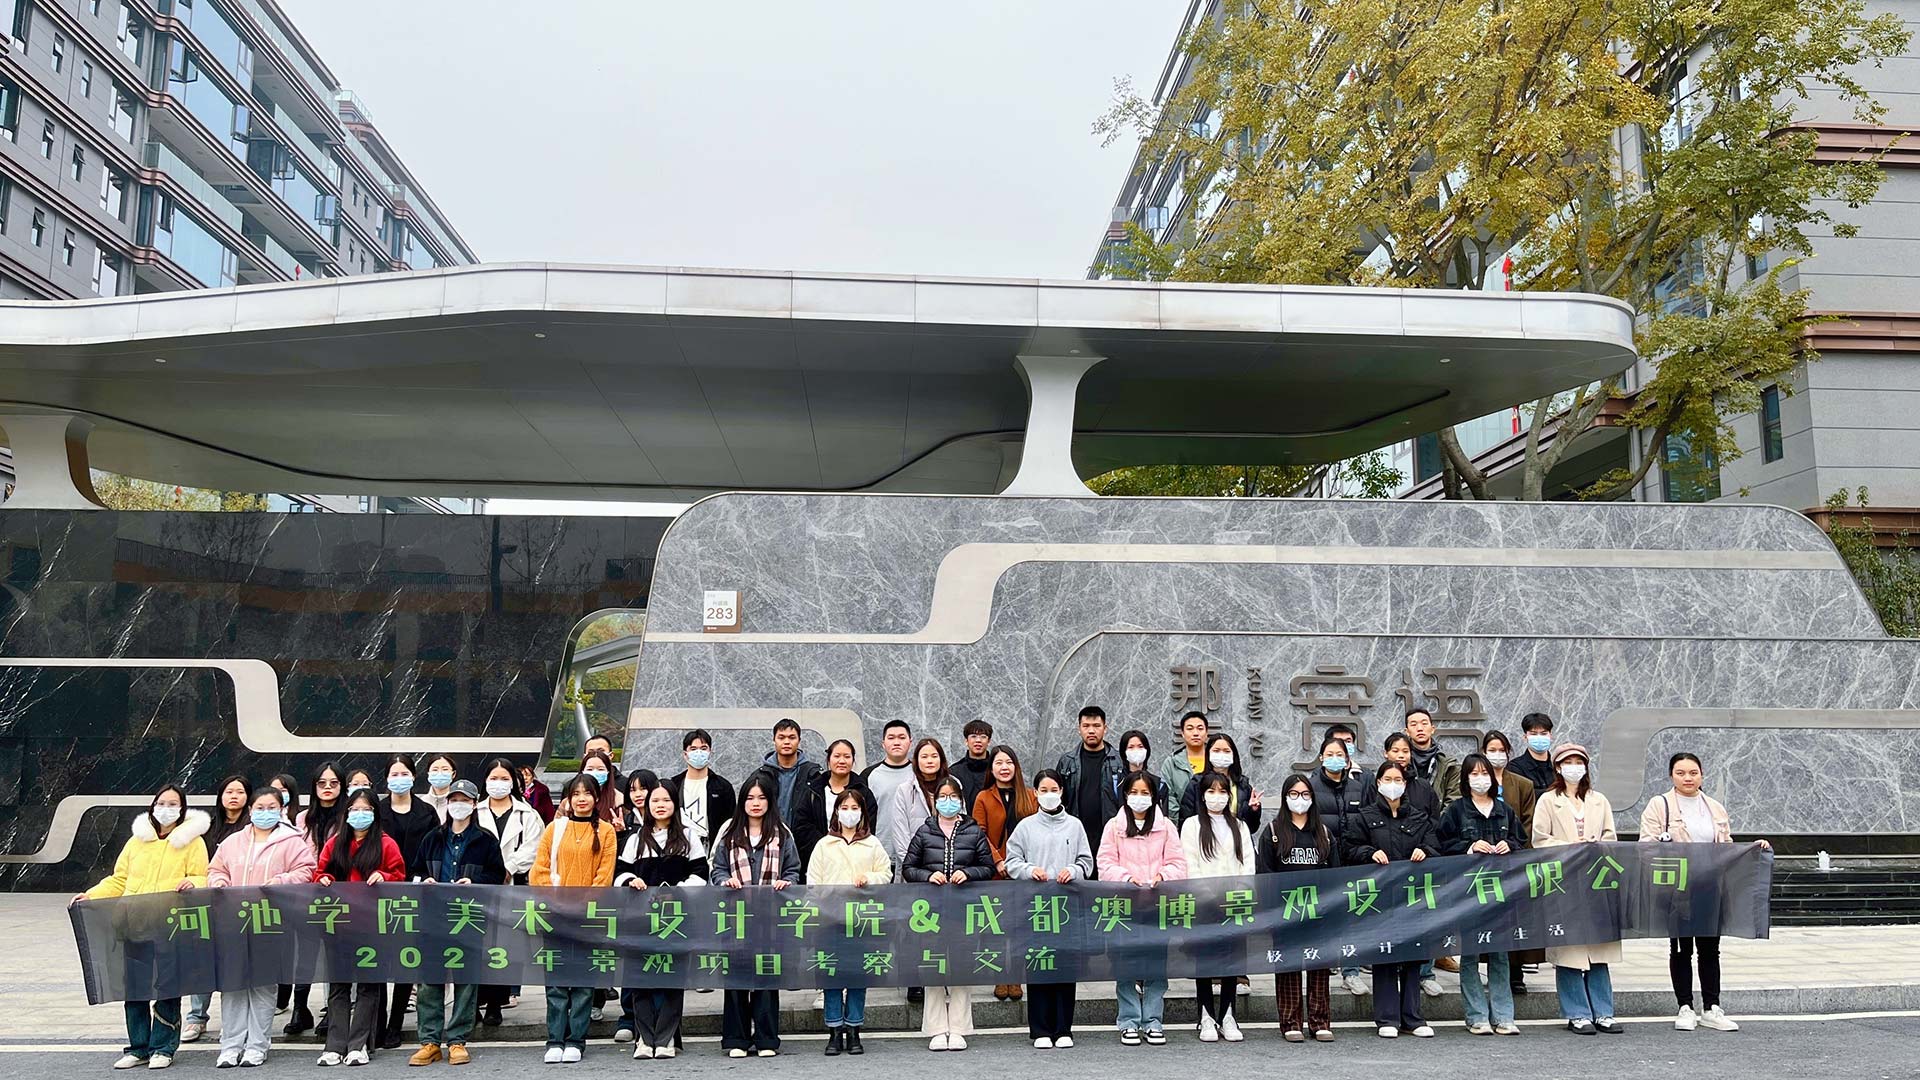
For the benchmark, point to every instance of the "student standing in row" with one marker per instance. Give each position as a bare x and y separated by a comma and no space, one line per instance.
536,794
407,819
755,850
517,826
1223,756
229,817
462,852
317,822
657,852
1340,790
1537,763
441,773
1518,793
1136,751
167,853
1216,843
268,851
1573,812
790,768
705,797
1141,847
1481,823
1299,840
972,768
999,809
1184,762
849,855
895,767
1091,772
948,849
813,816
578,849
1392,829
1050,845
359,850
913,800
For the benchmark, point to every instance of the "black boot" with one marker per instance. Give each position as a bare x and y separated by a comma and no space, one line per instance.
301,1021
490,1016
853,1041
320,1028
836,1037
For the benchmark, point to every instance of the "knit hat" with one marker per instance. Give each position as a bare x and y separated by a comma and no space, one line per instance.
1567,750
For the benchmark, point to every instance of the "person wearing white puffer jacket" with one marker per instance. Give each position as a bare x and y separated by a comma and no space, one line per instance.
1217,844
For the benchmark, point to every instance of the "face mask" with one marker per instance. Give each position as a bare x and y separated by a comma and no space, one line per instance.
1496,759
947,805
1539,744
167,815
460,811
359,819
849,818
1480,783
1139,803
1572,773
357,788
399,785
1221,760
499,789
1334,764
1299,804
697,759
266,819
439,781
1136,756
284,797
599,776
1392,789
1049,801
1216,801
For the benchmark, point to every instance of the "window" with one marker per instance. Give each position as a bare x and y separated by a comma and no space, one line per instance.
1772,446
79,163
6,195
59,52
21,22
130,34
93,7
1688,477
39,230
66,248
9,110
123,113
106,274
46,140
86,78
113,194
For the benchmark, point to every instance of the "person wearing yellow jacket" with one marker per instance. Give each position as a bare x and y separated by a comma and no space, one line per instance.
167,853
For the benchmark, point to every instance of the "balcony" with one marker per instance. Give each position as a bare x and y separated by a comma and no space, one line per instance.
160,156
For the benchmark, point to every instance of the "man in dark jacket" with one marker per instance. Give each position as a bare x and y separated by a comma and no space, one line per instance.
971,769
705,797
790,769
1092,774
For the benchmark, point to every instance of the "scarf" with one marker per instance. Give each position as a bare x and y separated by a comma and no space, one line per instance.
1425,760
742,859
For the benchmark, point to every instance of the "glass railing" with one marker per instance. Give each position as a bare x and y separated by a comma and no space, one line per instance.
158,155
296,137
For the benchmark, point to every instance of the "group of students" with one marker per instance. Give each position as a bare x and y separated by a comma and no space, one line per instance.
1101,812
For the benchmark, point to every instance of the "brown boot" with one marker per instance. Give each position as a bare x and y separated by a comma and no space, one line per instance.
457,1054
426,1055
1014,993
1448,963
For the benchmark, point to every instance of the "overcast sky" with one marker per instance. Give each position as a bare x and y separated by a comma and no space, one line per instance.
854,135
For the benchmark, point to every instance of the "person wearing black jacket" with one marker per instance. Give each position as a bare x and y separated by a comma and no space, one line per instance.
1090,773
1392,829
408,819
1223,756
950,849
1298,840
1340,789
656,851
705,798
821,793
1481,823
1420,793
459,852
973,769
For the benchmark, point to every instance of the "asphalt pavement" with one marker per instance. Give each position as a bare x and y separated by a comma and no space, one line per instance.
1855,1046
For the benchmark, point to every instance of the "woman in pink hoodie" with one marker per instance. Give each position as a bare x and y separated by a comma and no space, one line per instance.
1140,847
267,852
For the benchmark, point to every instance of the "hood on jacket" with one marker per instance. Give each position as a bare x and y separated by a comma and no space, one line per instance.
771,761
192,826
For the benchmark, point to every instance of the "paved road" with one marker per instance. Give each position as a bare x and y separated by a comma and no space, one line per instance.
1855,1046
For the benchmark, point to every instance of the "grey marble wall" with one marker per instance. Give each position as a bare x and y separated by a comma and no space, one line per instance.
1576,610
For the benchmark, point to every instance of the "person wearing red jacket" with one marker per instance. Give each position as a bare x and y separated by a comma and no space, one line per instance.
358,851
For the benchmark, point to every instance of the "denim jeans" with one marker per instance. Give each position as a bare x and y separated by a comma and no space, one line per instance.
198,1006
846,1007
569,1008
1498,986
1140,1009
1585,995
436,1024
153,1027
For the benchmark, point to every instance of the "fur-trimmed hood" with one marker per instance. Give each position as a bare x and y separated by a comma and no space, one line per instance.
193,825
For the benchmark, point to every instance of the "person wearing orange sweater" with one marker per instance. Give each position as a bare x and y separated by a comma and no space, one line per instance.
578,849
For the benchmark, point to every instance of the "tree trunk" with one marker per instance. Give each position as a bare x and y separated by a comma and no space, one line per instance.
1469,473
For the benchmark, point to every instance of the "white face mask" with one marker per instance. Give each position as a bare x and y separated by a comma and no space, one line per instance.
499,789
166,815
849,818
459,810
1049,801
1573,772
1216,801
1497,759
1221,759
1139,803
1392,789
1480,783
1299,804
1136,755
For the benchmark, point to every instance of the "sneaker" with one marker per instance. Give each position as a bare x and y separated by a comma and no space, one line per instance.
736,1052
1323,1035
253,1059
1716,1020
227,1060
129,1061
192,1031
666,1051
954,1042
769,1053
1043,1043
1430,987
1580,1027
159,1061
329,1058
1607,1025
570,1055
1294,1035
1209,1031
358,1057
553,1055
1506,1029
1479,1029
1156,1038
1423,1032
1064,1042
642,1051
623,1035
1388,1031
1686,1020
938,1042
599,1013
1129,1037
1230,1029
1354,985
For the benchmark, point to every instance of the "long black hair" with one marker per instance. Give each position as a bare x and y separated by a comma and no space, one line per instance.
158,829
737,837
290,803
1145,825
677,843
246,785
346,860
1285,836
513,777
1233,771
592,787
1146,744
1206,781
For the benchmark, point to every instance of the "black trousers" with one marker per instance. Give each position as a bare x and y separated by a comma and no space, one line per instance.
1050,1009
397,1008
1396,996
1216,995
656,1015
751,1020
354,1009
1680,954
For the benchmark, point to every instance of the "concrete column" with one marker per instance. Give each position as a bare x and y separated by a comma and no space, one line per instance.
49,462
1046,459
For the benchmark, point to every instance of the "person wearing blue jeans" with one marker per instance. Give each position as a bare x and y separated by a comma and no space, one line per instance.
1141,1006
1486,1016
193,1023
846,1011
1586,998
153,1030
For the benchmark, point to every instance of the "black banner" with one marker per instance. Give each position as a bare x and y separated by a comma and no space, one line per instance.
164,945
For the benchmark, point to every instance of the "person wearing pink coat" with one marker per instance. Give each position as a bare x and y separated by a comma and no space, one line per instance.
267,852
1141,847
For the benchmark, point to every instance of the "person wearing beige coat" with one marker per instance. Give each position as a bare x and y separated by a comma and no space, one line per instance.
1571,812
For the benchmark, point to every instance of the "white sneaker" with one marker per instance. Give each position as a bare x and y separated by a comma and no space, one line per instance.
1064,1042
666,1051
1716,1020
1209,1031
1686,1021
328,1058
642,1051
570,1055
956,1042
159,1061
624,1035
736,1052
1230,1028
1354,985
192,1032
553,1055
1479,1029
1388,1031
599,1013
1423,1032
938,1042
1430,987
1043,1043
358,1057
769,1053
227,1060
253,1058
129,1061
